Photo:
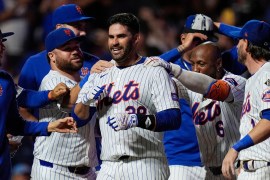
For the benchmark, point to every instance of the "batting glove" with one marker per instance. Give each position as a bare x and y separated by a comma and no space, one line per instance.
89,96
170,67
122,121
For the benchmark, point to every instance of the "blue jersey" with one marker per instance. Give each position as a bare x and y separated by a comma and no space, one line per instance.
181,146
11,122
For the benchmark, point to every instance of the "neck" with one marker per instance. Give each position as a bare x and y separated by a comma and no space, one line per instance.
131,60
253,65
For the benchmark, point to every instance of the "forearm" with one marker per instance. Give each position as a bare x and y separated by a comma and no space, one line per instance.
196,82
80,119
171,56
82,111
261,131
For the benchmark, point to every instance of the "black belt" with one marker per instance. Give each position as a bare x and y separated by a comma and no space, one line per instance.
76,170
124,157
216,170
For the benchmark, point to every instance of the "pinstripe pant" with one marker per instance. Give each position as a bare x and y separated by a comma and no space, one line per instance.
260,174
179,172
40,172
134,169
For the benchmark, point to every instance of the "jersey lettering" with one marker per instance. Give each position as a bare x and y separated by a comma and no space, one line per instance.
246,105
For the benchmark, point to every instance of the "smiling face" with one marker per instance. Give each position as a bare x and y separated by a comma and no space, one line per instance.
68,58
121,43
206,59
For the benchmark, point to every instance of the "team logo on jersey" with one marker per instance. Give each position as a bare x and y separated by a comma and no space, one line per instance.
266,96
174,97
231,81
84,71
267,82
1,90
246,105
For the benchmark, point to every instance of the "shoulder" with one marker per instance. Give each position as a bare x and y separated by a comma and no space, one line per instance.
5,76
233,79
90,57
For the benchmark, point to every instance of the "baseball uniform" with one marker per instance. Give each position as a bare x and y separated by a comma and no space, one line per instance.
256,100
11,122
216,122
135,153
57,154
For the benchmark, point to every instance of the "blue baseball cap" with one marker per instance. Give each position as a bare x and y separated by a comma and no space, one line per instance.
68,13
3,35
200,23
59,37
255,31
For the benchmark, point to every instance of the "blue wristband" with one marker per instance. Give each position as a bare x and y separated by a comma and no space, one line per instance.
244,143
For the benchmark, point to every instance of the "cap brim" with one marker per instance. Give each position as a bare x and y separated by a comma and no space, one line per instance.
209,34
7,34
80,19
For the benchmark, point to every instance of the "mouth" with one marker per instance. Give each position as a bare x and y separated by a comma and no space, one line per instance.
116,51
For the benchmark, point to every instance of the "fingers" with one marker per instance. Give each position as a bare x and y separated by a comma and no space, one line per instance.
100,66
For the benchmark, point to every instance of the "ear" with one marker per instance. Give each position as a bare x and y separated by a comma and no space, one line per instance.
52,57
245,44
136,39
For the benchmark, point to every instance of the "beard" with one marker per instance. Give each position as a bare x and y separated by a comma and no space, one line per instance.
122,56
69,66
241,55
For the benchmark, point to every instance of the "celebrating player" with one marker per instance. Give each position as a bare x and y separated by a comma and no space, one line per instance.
12,123
254,146
72,156
135,97
216,112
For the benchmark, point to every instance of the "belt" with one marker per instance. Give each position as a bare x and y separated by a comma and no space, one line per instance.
216,170
73,169
124,157
253,165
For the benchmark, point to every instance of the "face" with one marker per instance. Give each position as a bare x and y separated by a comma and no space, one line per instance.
121,42
79,28
203,61
242,55
68,58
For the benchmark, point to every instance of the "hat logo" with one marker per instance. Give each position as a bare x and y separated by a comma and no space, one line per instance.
79,9
67,32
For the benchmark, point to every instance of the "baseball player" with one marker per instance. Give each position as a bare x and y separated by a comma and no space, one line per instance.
11,122
64,156
70,16
216,113
253,150
135,96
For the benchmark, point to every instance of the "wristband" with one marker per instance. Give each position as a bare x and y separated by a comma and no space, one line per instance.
244,143
146,121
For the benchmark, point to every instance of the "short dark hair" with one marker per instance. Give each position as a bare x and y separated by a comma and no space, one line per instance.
258,52
126,19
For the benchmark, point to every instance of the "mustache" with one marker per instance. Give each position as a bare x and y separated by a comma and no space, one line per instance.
76,56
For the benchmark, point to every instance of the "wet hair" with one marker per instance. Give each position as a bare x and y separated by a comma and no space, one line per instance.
126,19
258,52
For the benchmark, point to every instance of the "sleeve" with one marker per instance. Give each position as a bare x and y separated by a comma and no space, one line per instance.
163,91
228,30
33,99
182,91
17,126
171,56
237,87
263,92
27,78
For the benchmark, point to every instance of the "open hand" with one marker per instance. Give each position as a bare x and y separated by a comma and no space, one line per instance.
228,164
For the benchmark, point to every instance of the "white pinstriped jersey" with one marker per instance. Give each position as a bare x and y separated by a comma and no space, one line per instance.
60,148
134,89
257,99
216,122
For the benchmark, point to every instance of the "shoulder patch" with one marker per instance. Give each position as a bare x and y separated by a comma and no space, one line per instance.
266,96
174,97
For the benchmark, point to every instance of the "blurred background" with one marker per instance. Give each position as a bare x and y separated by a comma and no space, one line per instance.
161,25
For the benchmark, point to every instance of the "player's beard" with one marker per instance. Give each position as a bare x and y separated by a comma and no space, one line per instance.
241,55
69,66
124,54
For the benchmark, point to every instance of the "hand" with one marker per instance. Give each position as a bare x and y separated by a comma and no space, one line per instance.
100,66
157,61
228,163
170,67
90,95
188,43
123,121
58,92
65,125
14,143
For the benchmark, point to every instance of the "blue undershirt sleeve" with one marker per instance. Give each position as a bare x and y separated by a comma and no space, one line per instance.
33,99
169,119
171,56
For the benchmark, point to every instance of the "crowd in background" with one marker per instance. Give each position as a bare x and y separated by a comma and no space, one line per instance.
161,22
